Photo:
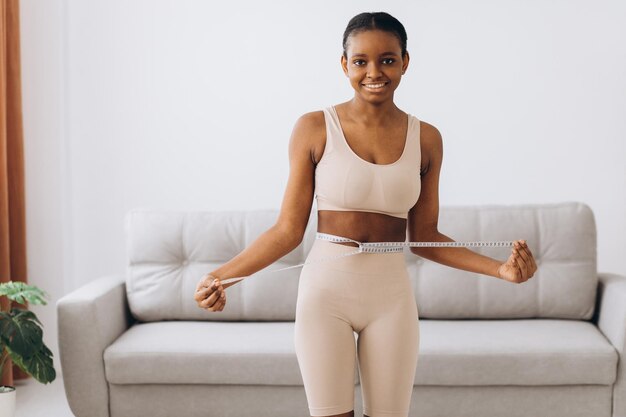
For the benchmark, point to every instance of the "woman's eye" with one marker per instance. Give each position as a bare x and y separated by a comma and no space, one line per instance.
360,62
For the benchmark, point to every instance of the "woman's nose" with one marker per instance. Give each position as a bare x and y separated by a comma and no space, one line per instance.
373,70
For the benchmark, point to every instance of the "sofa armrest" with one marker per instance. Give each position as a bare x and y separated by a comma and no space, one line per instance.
90,319
610,318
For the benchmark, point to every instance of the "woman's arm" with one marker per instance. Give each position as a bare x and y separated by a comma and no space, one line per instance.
289,229
423,219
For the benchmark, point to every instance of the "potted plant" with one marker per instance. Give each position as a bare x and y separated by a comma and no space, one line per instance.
21,339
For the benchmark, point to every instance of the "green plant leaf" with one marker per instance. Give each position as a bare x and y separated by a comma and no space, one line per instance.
21,292
5,318
21,332
39,365
20,313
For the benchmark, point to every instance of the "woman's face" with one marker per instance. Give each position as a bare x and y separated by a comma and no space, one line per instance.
374,64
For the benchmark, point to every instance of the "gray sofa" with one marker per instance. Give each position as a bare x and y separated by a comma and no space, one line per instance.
137,345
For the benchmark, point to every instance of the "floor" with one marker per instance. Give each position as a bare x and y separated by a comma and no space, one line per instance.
35,399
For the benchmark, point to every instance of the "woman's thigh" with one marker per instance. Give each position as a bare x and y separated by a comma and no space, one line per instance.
326,351
387,356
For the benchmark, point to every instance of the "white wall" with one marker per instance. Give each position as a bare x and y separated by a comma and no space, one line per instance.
190,104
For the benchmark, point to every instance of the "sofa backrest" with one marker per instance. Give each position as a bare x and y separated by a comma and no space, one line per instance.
168,252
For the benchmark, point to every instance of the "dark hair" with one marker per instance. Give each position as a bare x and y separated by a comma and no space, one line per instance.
377,20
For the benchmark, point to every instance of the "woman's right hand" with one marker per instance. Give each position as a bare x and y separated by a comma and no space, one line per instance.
520,266
210,294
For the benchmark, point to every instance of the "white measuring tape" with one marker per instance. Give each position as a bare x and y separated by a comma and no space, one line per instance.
378,247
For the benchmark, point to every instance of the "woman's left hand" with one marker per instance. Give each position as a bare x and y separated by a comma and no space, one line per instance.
210,294
520,266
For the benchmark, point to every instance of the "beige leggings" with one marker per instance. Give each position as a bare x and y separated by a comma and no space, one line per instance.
366,293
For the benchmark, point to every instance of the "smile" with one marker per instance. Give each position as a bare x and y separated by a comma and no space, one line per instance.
375,86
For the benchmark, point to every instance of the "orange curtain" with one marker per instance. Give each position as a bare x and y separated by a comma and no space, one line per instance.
12,201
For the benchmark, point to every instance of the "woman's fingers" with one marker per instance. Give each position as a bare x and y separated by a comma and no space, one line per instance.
533,264
517,269
204,292
210,300
219,304
209,290
522,251
530,260
523,265
223,304
214,286
206,282
525,258
517,263
528,257
216,307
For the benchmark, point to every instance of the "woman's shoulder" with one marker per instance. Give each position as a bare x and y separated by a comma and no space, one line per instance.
311,123
312,118
428,130
431,142
310,128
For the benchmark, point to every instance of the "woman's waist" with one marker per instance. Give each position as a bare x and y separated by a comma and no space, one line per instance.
329,251
367,246
363,226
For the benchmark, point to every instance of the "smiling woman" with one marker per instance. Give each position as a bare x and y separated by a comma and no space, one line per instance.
374,170
381,41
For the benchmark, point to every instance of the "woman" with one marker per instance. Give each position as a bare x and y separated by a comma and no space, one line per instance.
375,172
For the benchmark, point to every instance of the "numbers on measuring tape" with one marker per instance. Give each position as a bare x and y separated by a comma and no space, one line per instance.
384,247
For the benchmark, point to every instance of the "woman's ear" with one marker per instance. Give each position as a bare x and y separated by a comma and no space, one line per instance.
405,61
344,64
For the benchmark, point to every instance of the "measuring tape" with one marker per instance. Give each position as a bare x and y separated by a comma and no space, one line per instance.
378,247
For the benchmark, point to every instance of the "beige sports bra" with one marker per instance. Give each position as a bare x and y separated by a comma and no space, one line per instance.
346,182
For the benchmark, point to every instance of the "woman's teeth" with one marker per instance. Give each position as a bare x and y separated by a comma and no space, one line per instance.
375,86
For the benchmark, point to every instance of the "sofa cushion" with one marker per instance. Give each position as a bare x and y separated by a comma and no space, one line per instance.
170,251
196,352
514,352
452,352
562,238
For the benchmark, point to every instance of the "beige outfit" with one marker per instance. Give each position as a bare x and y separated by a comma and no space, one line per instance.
367,293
